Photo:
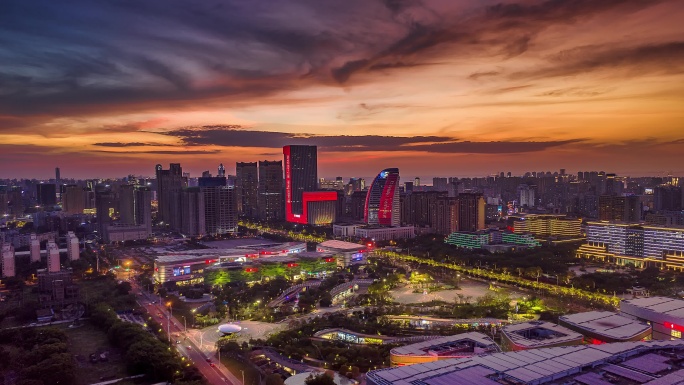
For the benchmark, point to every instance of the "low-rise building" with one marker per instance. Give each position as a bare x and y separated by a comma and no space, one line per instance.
347,253
383,233
457,346
552,225
643,362
537,334
480,239
122,233
606,326
665,315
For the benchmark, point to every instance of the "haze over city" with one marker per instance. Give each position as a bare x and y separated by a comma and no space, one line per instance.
454,87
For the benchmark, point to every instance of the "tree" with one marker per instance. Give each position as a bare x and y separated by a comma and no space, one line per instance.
320,379
13,283
123,288
274,379
326,301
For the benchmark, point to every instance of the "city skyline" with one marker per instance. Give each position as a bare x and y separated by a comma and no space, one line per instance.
462,88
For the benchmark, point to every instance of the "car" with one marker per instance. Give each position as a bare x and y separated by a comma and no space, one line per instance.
208,359
177,341
212,365
189,347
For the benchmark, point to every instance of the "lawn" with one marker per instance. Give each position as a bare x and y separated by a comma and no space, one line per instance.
235,366
87,339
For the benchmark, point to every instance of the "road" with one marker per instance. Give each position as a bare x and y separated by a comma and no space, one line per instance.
188,348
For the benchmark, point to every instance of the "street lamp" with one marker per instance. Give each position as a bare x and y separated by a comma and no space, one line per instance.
185,323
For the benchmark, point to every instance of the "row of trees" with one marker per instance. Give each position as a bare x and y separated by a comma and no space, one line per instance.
145,353
506,277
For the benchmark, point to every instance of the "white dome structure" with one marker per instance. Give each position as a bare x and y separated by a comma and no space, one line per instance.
228,329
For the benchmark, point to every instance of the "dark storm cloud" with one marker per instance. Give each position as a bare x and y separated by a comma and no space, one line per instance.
86,57
234,137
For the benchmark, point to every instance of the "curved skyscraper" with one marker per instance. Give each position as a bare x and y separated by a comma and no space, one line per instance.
382,200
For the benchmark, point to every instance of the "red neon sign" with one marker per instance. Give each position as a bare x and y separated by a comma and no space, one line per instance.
291,265
251,270
329,259
670,325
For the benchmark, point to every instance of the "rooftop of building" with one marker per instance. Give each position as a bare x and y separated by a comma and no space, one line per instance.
341,245
606,323
241,243
535,334
664,305
644,226
380,227
539,216
445,346
623,363
199,255
279,248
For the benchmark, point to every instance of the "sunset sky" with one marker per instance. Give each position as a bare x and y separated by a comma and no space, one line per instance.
436,88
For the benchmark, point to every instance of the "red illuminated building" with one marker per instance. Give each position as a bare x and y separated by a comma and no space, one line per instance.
301,171
382,200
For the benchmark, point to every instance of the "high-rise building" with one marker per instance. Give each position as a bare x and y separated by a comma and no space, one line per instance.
619,208
132,207
416,207
53,263
106,206
439,184
58,177
46,194
7,261
169,184
611,185
220,210
357,205
211,181
15,201
74,199
73,251
193,222
246,188
526,196
471,212
355,184
416,182
445,215
301,175
326,184
35,248
221,170
667,198
4,202
382,201
270,200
